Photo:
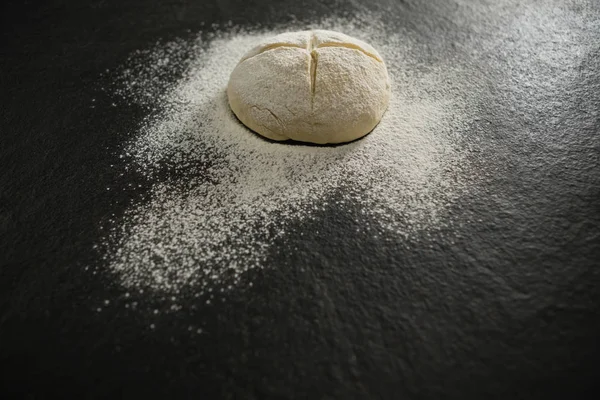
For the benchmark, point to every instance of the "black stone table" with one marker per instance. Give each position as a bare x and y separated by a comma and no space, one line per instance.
507,306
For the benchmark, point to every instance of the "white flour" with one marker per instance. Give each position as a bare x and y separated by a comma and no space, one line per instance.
235,193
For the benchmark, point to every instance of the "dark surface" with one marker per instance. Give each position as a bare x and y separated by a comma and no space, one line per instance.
507,305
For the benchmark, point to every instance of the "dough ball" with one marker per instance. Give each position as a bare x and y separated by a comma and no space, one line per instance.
310,86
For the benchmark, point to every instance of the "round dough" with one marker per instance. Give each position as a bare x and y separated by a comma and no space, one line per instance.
310,86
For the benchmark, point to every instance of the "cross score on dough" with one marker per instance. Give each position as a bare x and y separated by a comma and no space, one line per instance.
270,97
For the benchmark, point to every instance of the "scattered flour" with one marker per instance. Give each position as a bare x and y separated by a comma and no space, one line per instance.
234,193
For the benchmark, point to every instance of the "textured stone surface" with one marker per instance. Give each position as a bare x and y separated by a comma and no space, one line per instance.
503,305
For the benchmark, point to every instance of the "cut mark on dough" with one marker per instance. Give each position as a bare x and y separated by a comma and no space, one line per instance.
312,62
312,43
353,47
314,56
271,47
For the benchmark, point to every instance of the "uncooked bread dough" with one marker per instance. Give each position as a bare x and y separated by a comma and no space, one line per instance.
310,86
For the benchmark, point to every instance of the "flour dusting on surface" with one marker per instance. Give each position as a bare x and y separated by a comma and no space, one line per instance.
234,193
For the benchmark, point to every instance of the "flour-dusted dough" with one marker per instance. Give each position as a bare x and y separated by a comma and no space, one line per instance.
311,86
